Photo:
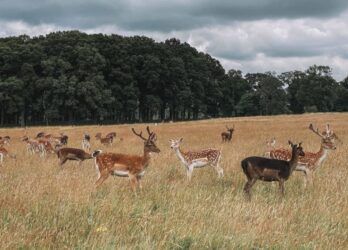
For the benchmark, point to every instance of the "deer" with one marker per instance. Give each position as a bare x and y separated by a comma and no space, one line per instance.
4,140
62,139
34,146
111,135
86,142
265,169
106,141
311,161
125,165
74,154
5,153
227,136
197,159
270,144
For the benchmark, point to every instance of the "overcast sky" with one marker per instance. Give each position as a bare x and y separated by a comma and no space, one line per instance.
250,35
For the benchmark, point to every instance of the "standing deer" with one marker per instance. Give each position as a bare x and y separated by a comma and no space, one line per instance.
106,141
198,159
265,169
5,153
311,161
86,142
4,140
124,165
227,136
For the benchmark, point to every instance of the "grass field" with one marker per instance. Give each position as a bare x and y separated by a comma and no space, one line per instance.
44,206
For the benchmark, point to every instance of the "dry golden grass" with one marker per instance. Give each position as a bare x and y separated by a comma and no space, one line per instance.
43,206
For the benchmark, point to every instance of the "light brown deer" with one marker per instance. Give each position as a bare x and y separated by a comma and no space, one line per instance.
227,136
4,153
106,141
311,161
4,140
34,146
265,169
198,159
123,165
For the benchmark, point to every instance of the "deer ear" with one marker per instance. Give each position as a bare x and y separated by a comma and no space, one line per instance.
290,143
300,144
181,139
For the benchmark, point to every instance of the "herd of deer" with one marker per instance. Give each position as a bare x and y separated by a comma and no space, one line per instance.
277,165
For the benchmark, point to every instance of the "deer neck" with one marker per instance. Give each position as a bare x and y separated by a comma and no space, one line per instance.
293,161
321,154
146,157
180,155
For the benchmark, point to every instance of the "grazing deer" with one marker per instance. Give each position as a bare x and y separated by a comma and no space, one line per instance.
227,136
62,139
106,141
265,169
74,154
86,142
5,153
311,161
198,159
123,165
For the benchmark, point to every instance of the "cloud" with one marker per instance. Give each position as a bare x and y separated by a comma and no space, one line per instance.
254,36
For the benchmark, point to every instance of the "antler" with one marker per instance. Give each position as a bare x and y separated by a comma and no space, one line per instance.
139,135
315,131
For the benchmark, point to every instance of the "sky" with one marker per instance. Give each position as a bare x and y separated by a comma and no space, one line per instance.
249,35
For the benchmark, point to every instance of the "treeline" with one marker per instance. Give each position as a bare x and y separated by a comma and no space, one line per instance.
72,77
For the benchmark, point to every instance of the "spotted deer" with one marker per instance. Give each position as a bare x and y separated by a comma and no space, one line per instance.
227,136
73,154
197,159
4,140
311,161
265,169
4,153
124,165
34,146
106,141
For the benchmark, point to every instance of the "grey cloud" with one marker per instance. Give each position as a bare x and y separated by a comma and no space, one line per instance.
161,15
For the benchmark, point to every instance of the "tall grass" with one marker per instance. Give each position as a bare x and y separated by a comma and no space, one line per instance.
45,206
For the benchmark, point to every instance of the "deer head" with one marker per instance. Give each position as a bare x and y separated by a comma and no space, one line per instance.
297,149
327,137
174,144
230,129
150,142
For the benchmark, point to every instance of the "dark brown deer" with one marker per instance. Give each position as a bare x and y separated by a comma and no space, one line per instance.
74,154
227,136
124,165
260,168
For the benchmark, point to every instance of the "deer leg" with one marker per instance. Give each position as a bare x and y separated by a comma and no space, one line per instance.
281,187
134,182
248,186
139,182
1,158
308,178
189,171
62,161
103,176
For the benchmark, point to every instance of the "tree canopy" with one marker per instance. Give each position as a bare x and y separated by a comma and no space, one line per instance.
73,77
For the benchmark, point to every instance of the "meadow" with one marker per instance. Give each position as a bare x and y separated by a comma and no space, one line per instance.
43,206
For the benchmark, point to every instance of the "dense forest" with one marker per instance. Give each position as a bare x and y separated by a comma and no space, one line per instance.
72,78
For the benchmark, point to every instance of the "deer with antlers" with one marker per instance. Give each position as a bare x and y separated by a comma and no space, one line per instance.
124,165
311,161
227,136
197,159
